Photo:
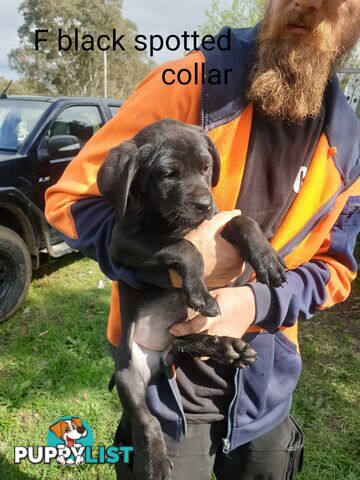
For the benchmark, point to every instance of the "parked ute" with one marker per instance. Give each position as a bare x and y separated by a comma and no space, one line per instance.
39,136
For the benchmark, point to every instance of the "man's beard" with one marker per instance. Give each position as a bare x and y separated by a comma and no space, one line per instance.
290,76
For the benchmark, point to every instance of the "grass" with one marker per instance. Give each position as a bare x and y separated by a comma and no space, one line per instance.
326,403
54,361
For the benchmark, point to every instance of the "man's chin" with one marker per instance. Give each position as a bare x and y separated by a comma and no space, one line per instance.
301,46
289,81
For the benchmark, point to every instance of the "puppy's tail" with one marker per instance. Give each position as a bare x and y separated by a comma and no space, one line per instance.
111,384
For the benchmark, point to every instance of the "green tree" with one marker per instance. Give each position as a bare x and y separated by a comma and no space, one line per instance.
17,87
237,13
54,72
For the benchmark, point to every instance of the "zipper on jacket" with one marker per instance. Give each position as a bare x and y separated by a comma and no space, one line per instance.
177,400
226,447
353,209
226,440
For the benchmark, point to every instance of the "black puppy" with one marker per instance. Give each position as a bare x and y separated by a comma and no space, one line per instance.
159,182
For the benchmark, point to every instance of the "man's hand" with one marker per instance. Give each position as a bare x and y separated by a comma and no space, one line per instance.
238,310
222,261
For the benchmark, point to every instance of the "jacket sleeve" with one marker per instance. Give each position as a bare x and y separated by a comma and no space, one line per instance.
318,284
74,205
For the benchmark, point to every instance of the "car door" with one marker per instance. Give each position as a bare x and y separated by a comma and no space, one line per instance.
78,121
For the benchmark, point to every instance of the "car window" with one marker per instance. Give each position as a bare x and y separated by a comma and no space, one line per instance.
114,109
82,121
17,120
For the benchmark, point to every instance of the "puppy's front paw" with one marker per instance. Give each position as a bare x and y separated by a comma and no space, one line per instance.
268,266
205,304
211,308
271,270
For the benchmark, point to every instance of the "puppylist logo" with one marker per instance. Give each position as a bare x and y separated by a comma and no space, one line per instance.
70,442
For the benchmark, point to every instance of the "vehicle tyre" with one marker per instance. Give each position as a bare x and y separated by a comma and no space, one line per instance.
15,272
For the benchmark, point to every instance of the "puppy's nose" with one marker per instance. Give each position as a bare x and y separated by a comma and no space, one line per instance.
201,203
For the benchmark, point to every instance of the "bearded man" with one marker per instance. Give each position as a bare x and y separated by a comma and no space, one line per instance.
289,147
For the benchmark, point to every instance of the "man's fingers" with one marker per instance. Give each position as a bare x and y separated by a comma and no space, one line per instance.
228,213
192,314
196,325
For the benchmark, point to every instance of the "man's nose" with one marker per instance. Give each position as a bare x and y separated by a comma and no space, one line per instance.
306,6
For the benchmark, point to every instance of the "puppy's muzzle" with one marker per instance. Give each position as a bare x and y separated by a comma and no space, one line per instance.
202,203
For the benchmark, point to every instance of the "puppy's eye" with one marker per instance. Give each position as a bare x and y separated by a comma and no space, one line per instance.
206,168
67,429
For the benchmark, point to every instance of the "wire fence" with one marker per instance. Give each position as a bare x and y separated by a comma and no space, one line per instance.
350,83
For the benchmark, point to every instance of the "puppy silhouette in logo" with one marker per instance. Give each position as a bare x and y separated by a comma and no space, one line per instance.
69,431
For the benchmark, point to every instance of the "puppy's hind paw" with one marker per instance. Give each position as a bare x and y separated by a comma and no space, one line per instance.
225,350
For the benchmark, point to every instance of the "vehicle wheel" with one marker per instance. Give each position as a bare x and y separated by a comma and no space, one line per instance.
15,272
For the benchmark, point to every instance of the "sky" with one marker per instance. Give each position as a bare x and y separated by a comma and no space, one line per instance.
163,17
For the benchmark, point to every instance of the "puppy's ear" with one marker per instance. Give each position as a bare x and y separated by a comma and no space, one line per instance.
116,174
58,428
77,421
216,162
